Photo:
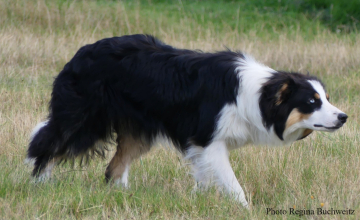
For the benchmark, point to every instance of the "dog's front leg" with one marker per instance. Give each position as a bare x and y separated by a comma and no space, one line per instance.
217,156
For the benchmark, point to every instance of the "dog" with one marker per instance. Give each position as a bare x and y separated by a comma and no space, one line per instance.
136,90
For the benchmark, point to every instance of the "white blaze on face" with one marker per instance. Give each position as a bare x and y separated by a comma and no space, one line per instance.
327,117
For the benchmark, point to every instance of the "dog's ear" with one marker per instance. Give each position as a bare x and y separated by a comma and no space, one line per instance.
285,89
277,90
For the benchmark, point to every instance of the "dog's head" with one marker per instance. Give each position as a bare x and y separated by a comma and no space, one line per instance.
292,101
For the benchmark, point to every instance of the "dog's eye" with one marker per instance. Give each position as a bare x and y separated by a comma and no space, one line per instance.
311,101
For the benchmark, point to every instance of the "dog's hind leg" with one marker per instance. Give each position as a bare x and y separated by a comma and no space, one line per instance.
214,165
200,169
128,149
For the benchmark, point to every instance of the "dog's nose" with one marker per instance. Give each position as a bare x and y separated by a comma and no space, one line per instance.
342,117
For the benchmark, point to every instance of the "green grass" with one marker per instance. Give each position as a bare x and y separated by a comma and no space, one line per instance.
264,17
38,37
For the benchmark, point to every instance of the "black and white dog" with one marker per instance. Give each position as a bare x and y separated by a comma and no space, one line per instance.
139,90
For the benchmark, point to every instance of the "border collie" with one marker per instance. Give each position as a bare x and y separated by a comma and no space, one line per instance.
136,89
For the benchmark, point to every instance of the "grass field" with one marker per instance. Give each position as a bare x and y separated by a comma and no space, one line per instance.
38,37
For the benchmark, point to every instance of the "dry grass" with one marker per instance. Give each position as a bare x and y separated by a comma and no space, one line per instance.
38,38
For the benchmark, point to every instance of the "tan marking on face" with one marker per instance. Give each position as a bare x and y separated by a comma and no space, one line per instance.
278,94
317,96
327,96
128,149
295,117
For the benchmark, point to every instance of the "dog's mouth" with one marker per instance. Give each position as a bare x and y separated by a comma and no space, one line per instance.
328,128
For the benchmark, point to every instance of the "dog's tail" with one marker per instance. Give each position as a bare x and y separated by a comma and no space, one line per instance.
57,140
51,141
35,130
43,146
